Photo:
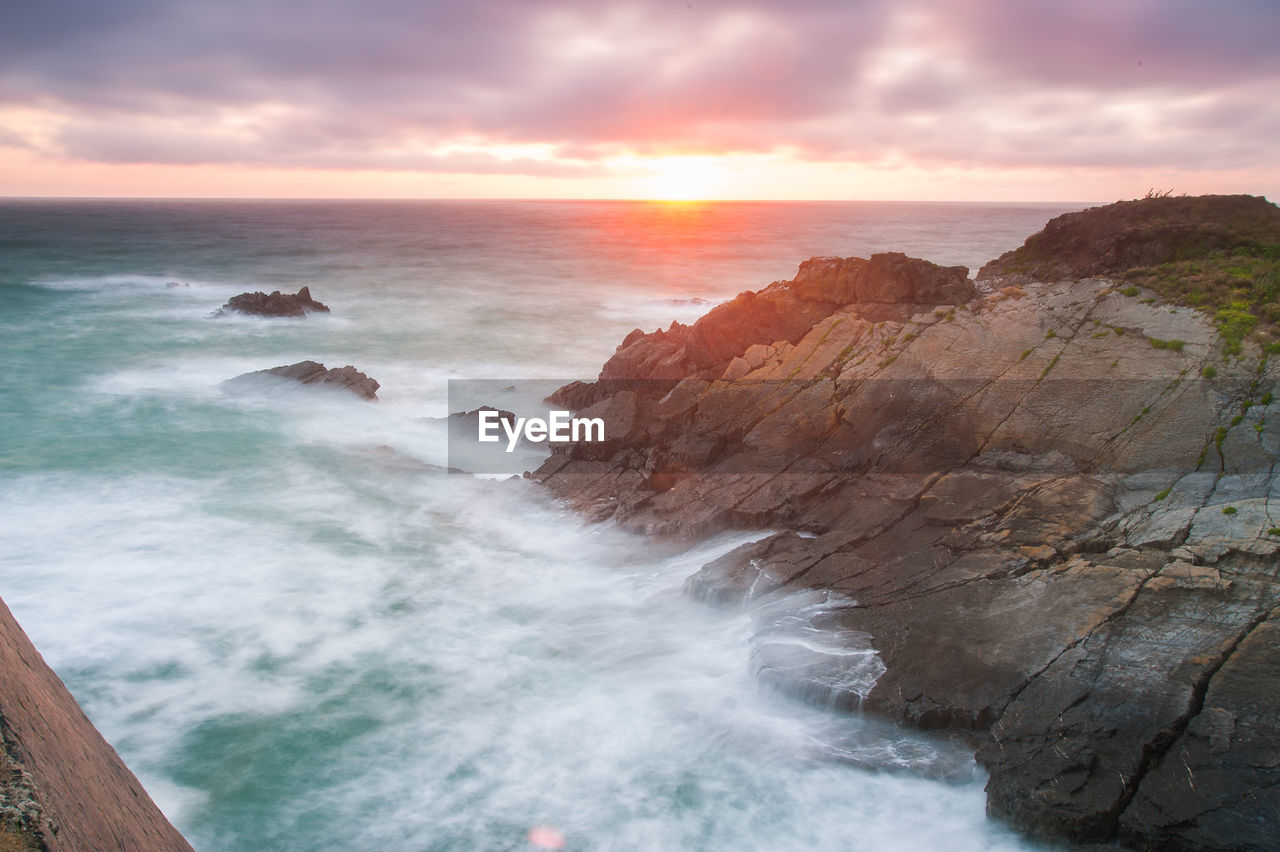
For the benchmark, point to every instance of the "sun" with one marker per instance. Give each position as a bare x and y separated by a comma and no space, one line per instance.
684,178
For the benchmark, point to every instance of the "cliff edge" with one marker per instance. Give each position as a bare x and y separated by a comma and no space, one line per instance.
1051,501
63,787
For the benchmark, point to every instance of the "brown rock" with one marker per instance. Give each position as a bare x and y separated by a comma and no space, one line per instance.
68,787
1113,239
1056,536
275,304
314,373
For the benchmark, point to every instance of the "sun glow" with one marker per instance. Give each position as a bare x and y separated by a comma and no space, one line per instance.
690,178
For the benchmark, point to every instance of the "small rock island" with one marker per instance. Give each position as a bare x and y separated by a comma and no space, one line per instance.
274,304
346,378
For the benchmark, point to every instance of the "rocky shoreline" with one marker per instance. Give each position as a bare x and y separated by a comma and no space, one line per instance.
1040,510
1051,501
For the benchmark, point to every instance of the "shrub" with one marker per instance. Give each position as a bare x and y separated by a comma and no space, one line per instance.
1163,494
1209,372
1229,510
1235,323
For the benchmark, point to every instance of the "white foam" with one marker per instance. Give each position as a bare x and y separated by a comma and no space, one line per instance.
300,633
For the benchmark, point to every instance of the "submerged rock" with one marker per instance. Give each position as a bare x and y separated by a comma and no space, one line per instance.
314,373
275,304
1057,528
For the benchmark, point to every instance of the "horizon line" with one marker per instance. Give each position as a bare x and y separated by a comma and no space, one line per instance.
675,202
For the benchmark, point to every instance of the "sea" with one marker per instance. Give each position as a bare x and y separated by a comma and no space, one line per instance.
302,633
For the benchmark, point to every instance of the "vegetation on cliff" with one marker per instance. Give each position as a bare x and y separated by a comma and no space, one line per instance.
1216,253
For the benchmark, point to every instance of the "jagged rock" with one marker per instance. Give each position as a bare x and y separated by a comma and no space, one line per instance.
464,425
1057,536
783,313
315,373
62,786
469,421
275,304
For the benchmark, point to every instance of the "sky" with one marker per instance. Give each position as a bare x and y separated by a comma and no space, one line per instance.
973,100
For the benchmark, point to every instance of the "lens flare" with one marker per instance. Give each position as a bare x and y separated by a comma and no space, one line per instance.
546,837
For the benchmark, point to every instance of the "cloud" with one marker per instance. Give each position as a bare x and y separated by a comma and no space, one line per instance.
559,86
1124,44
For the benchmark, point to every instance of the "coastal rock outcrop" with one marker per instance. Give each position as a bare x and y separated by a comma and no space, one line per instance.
1146,232
313,373
886,285
275,304
1054,508
62,786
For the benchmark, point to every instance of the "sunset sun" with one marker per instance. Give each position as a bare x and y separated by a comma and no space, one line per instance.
686,178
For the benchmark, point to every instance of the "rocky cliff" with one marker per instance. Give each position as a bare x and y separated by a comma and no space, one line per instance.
1053,505
62,787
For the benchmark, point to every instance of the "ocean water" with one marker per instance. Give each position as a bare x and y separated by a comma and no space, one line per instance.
302,635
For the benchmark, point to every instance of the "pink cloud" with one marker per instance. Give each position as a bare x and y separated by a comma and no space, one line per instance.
399,85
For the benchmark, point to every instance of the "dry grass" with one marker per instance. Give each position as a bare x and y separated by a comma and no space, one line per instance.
13,839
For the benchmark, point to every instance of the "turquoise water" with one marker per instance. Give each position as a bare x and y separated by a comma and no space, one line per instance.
300,634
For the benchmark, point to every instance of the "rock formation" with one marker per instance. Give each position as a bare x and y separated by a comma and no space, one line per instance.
1053,508
314,373
1145,232
62,787
275,304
